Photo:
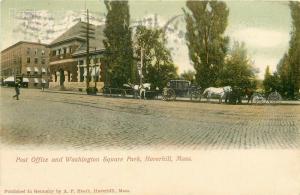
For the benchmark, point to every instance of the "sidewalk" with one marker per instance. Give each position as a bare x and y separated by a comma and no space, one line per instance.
65,92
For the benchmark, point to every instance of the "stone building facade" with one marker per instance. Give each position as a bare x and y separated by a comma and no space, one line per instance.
68,58
28,61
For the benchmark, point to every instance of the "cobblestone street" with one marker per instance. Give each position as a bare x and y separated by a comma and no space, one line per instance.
81,121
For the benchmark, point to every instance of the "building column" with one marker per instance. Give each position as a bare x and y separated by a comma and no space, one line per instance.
78,71
78,74
66,76
53,78
58,77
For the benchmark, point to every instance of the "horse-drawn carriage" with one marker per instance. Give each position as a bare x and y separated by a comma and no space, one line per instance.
184,88
181,88
143,91
260,98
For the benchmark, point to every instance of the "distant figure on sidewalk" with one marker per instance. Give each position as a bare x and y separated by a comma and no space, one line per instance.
17,89
43,86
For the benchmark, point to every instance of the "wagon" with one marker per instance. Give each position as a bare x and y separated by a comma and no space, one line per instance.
181,88
258,98
272,98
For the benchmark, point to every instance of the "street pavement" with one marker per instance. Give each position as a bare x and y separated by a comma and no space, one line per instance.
75,120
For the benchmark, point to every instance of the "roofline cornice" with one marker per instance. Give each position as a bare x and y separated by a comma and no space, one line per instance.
21,42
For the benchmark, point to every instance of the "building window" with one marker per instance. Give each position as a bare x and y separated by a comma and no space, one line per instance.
43,52
65,50
28,59
28,51
43,61
53,53
59,51
70,49
35,60
81,62
35,51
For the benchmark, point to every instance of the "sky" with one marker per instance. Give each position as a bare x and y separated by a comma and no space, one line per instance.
264,26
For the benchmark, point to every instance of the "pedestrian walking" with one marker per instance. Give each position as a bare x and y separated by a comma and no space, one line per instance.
17,89
43,86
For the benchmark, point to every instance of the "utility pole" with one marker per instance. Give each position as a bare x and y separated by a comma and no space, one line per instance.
88,31
141,67
87,51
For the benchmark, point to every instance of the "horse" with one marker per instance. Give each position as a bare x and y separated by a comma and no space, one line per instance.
140,90
249,92
222,92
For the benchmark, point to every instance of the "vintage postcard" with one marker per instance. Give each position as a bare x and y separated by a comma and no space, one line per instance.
150,97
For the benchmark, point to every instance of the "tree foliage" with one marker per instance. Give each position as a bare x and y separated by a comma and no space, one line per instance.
294,50
158,66
283,69
271,81
118,44
206,22
238,68
289,66
188,75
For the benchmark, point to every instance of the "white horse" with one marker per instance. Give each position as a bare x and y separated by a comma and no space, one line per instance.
222,92
140,90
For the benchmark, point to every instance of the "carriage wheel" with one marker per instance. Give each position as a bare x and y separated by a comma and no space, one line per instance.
253,99
165,94
195,95
258,99
164,98
168,94
123,93
199,95
274,98
172,94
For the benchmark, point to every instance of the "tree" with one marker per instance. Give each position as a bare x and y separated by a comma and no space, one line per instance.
289,66
206,22
271,81
283,69
118,44
158,66
188,75
294,50
267,80
238,68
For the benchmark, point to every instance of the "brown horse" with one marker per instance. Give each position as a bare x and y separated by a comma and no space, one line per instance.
249,92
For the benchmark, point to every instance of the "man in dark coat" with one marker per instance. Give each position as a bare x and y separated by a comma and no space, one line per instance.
17,89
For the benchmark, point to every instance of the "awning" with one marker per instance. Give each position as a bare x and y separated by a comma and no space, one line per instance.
36,80
28,69
43,81
43,69
25,80
36,69
10,79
